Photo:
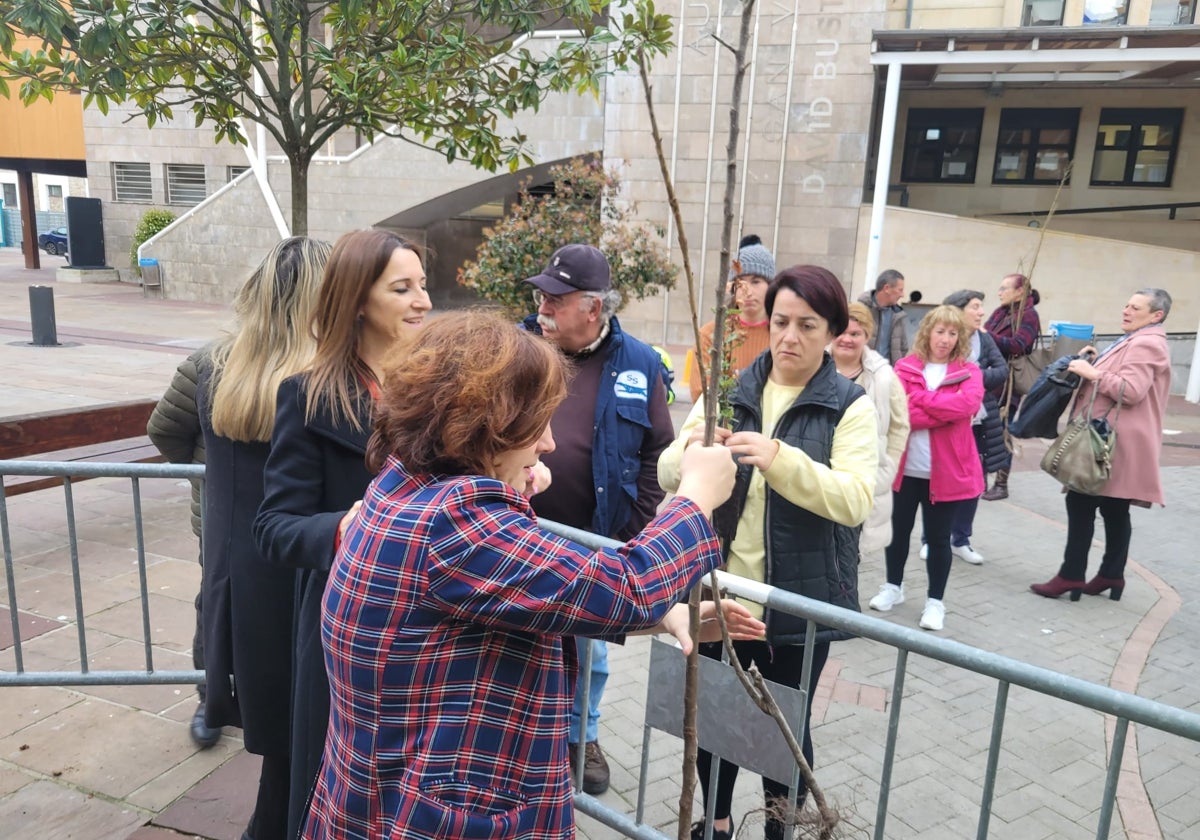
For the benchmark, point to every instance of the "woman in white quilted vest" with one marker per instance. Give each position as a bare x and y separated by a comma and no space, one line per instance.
858,362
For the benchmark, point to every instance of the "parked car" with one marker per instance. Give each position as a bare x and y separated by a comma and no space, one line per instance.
53,241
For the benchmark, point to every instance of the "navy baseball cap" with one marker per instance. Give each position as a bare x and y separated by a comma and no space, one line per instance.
574,268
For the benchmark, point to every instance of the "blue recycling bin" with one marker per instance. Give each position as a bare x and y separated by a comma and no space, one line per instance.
1081,331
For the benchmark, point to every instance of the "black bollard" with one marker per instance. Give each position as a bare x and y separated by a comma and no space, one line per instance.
41,315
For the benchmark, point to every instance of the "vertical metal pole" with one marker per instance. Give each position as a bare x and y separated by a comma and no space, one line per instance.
141,561
787,127
889,752
989,776
10,579
883,171
73,541
1111,778
645,768
583,689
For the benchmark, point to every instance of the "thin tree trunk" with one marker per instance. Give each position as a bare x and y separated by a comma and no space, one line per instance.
298,170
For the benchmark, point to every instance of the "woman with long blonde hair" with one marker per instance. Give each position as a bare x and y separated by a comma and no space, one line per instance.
248,603
372,301
940,467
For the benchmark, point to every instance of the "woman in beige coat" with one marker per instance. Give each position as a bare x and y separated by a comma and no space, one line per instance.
1136,370
858,362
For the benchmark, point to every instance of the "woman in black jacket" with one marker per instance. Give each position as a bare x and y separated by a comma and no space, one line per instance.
372,298
989,427
806,443
248,604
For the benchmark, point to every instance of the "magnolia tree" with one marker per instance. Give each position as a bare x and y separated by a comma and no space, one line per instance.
440,75
582,207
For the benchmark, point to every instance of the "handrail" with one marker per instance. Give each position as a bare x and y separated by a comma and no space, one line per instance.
1123,208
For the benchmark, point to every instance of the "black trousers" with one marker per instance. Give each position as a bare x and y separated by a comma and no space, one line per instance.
784,665
938,520
1081,526
269,820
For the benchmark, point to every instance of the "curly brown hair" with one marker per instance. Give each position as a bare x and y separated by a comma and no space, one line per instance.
951,316
471,386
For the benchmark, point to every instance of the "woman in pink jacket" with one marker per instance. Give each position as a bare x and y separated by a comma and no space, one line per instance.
940,466
1137,371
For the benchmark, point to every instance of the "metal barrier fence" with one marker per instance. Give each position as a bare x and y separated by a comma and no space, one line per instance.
1126,708
85,676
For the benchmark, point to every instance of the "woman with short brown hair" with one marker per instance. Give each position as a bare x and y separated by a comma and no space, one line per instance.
447,604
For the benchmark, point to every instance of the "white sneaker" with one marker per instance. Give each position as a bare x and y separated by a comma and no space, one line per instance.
889,596
965,552
933,617
924,552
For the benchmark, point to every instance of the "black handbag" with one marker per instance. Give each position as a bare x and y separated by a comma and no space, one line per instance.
1037,416
1081,457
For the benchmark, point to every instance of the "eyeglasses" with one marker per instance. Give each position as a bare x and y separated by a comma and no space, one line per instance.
541,298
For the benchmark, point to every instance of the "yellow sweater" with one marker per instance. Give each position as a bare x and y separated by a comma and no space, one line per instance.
843,491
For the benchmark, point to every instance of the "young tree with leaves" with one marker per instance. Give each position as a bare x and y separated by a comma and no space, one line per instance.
582,207
442,75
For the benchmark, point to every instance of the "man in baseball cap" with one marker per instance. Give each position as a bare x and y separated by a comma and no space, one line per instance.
615,413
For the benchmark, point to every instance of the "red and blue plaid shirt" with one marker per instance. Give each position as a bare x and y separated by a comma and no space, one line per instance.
443,625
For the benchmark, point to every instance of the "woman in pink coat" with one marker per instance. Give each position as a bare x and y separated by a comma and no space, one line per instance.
940,466
1137,371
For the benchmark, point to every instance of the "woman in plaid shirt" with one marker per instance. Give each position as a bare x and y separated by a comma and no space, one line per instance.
447,605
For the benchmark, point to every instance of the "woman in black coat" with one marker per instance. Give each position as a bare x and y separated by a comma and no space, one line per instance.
247,603
372,298
989,429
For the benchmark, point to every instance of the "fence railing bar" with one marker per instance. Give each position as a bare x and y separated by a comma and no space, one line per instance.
993,760
810,640
889,748
600,812
76,578
640,808
99,469
10,580
67,679
1112,777
1100,698
583,692
144,588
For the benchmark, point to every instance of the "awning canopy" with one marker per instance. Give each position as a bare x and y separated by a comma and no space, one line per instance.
1161,56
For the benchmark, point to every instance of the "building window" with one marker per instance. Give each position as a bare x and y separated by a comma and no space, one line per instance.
941,145
1135,147
1105,12
232,172
1042,13
1172,12
1034,145
185,183
10,195
131,182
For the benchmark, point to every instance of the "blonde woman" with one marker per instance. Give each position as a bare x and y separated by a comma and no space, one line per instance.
248,604
940,466
856,361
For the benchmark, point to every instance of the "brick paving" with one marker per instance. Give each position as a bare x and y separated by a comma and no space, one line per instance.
116,762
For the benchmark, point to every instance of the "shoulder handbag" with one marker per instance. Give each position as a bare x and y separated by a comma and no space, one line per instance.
1081,457
1026,369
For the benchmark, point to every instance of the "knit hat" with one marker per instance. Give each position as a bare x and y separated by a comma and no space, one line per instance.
754,258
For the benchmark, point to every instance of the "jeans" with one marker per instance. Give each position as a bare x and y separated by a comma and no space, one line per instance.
1081,525
937,519
595,689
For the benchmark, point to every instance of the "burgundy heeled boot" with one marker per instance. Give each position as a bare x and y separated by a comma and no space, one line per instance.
1057,585
1098,585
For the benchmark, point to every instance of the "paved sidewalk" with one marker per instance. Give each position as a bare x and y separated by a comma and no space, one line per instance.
117,762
